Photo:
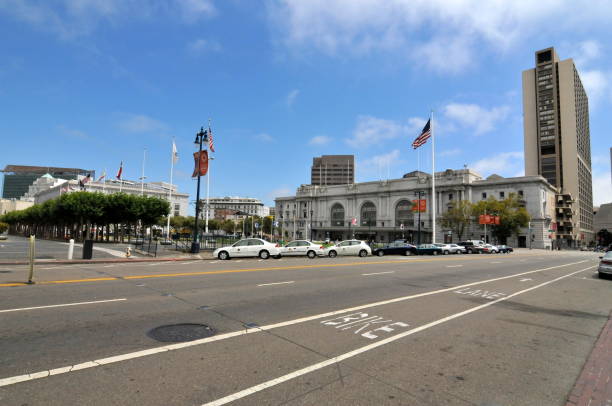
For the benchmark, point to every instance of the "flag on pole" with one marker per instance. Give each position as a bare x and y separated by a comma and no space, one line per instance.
211,144
174,153
102,176
425,134
84,180
201,163
120,171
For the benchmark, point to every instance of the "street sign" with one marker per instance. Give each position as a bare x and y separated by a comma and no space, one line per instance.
401,226
276,224
256,225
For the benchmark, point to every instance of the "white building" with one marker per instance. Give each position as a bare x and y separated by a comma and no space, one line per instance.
179,202
381,210
233,207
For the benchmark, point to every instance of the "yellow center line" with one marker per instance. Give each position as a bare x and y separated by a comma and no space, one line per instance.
226,271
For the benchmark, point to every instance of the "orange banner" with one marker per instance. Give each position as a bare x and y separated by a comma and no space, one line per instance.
200,161
419,205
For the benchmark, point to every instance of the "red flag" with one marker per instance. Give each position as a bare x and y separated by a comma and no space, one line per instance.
200,163
120,171
424,136
211,145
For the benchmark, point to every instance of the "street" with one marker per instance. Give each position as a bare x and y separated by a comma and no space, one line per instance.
511,329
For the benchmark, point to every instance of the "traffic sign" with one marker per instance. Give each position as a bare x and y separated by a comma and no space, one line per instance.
256,225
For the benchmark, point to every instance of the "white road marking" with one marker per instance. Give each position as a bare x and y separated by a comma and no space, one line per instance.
377,273
453,266
236,261
495,262
214,262
108,266
186,263
526,279
156,264
276,283
351,354
61,305
123,357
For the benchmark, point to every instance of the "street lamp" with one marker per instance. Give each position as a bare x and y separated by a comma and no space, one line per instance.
311,212
195,244
419,193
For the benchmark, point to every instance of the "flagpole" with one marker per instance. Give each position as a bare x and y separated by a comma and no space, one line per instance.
433,181
170,190
144,157
208,177
121,177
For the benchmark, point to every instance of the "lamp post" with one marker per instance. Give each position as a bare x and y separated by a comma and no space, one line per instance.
311,213
195,244
419,193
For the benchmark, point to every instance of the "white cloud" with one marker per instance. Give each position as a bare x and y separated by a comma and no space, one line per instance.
447,36
504,164
602,188
193,10
292,96
372,130
140,123
377,166
280,192
586,52
203,45
450,152
264,137
71,132
320,140
474,117
598,85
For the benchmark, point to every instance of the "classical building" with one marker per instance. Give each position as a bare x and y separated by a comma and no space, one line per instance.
381,210
179,202
330,170
18,178
232,208
557,141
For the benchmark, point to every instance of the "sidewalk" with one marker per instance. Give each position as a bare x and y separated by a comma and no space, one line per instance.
594,385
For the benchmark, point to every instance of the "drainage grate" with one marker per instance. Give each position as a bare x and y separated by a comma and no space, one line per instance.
177,333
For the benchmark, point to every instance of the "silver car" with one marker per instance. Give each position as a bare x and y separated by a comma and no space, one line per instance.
451,249
302,248
605,265
349,247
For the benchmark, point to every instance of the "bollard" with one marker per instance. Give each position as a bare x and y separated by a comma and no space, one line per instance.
32,254
128,252
71,248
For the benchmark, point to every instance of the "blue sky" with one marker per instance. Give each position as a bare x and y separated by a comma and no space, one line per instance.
90,83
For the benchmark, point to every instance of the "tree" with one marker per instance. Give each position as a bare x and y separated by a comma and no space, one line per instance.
604,237
3,227
513,216
458,217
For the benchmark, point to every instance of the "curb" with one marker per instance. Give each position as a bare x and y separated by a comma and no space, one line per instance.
103,261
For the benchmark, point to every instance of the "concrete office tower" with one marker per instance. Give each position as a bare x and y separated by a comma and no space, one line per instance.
557,142
333,170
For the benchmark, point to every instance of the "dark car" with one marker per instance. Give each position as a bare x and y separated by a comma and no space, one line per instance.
428,249
505,249
396,248
470,247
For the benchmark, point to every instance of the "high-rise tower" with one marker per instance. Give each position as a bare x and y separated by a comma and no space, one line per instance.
557,141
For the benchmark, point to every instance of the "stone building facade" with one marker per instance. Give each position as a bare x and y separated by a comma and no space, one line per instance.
380,210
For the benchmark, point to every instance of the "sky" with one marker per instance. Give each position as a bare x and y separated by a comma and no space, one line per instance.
91,83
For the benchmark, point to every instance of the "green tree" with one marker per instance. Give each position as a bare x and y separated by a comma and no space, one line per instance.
3,227
513,216
458,217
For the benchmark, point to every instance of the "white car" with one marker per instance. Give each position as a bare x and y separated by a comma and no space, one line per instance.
451,249
348,247
301,248
250,247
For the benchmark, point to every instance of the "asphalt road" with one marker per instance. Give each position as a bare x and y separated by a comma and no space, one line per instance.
453,330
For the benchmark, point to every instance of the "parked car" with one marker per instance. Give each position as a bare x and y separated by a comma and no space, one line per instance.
428,249
490,249
605,265
396,248
471,247
348,247
451,249
301,248
3,237
249,247
505,249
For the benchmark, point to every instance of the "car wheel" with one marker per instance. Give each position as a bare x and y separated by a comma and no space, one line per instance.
434,253
601,275
446,252
223,255
363,253
469,251
407,253
277,256
380,253
263,254
311,254
332,254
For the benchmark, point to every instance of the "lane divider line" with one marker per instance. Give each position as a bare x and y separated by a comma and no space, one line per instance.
127,356
351,354
377,273
453,266
62,305
275,283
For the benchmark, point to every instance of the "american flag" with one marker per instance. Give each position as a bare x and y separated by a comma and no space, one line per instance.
211,145
425,134
120,171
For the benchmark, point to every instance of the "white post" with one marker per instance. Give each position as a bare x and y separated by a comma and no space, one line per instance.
433,182
208,177
71,248
170,191
144,157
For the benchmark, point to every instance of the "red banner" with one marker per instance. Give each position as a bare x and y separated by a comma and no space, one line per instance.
419,205
489,219
200,163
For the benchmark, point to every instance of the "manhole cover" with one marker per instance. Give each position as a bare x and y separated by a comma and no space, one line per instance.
176,333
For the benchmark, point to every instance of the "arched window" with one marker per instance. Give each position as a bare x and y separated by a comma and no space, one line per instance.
368,214
403,214
337,215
